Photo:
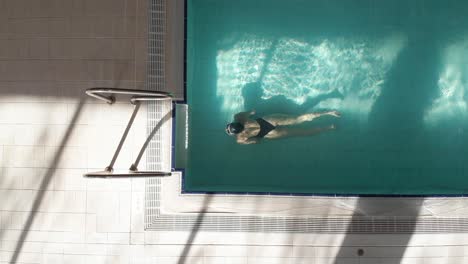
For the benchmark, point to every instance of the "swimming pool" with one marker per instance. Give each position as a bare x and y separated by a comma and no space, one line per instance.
396,70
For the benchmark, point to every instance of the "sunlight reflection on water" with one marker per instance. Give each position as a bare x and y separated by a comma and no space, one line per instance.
453,84
302,69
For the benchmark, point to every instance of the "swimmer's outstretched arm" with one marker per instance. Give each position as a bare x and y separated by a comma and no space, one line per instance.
243,116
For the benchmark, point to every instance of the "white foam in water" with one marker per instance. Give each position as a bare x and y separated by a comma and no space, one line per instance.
453,86
300,69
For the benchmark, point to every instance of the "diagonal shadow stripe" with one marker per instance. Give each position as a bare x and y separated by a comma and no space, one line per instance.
163,120
195,229
45,183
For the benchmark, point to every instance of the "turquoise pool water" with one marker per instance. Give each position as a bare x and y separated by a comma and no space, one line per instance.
396,70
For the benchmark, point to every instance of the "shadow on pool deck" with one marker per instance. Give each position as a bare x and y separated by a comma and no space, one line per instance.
195,230
46,181
398,243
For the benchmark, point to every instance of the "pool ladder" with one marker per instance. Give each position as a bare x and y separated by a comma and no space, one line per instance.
137,96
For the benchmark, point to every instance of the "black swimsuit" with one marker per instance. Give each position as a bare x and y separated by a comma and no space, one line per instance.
265,127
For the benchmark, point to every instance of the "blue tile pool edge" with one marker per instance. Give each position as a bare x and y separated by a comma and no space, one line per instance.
183,170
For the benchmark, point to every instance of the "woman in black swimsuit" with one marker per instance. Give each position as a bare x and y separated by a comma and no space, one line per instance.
250,131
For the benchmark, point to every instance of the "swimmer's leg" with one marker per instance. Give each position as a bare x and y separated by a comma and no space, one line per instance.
286,120
283,132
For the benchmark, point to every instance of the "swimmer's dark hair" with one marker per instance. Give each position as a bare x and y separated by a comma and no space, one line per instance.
234,128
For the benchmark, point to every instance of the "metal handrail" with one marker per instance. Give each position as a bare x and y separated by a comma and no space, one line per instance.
143,95
138,97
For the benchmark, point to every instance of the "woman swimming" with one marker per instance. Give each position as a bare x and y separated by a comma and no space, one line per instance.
250,131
